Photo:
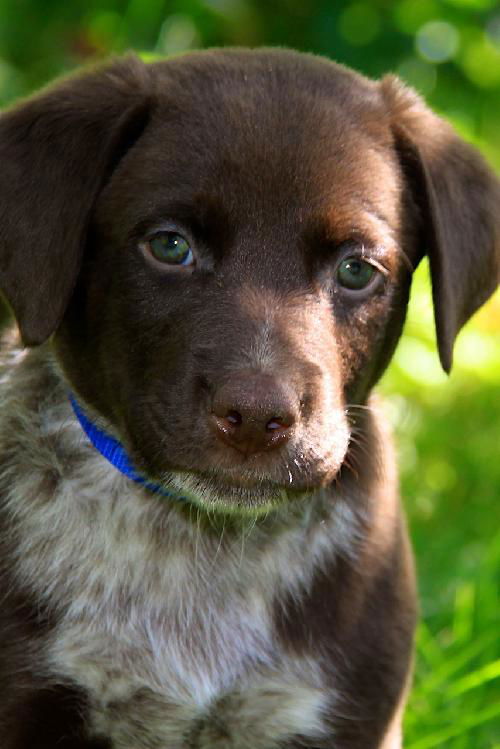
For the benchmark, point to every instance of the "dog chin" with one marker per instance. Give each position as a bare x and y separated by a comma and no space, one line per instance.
214,494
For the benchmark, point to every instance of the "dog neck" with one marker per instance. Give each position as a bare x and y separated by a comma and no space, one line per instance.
114,452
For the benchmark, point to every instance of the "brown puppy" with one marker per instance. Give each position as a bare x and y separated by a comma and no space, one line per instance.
213,255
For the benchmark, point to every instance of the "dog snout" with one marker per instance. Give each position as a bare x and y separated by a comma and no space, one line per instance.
253,412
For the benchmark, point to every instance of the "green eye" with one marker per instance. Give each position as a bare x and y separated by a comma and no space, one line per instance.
170,248
355,274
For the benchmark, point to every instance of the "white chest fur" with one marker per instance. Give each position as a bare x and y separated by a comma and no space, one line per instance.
172,637
167,626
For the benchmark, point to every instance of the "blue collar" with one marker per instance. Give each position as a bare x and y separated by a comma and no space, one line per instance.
114,452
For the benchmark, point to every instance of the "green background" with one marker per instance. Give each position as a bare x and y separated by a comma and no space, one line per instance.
447,429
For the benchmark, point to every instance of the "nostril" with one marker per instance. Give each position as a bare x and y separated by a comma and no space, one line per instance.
274,424
228,425
234,418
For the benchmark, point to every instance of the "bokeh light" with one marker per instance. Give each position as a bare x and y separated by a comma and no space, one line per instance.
437,41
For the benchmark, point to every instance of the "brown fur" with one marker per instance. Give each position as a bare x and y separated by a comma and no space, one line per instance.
276,607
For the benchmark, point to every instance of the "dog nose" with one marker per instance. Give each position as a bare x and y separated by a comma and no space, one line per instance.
254,412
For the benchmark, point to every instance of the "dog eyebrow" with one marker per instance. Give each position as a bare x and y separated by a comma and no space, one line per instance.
203,217
374,212
326,238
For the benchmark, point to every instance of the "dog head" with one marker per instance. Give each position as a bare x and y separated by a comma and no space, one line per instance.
220,247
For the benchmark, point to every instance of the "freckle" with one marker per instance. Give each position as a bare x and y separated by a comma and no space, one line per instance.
43,490
120,530
50,481
97,591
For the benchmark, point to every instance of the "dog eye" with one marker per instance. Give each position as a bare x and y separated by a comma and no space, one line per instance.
170,248
355,274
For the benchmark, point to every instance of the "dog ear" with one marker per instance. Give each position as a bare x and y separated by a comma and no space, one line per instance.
459,201
56,151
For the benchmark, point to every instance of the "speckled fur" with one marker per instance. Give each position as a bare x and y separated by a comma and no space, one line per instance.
168,629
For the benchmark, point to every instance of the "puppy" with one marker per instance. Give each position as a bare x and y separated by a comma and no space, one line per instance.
209,261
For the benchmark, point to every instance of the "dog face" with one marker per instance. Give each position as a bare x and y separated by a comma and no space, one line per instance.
223,246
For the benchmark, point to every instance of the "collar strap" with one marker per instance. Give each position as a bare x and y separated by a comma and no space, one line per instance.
114,452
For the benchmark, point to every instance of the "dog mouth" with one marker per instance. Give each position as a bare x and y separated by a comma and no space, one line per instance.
223,480
228,494
240,490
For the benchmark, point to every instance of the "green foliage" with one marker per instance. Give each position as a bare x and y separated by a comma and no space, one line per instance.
448,432
449,49
448,436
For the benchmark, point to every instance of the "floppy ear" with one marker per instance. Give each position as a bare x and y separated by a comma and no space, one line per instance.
56,151
459,200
